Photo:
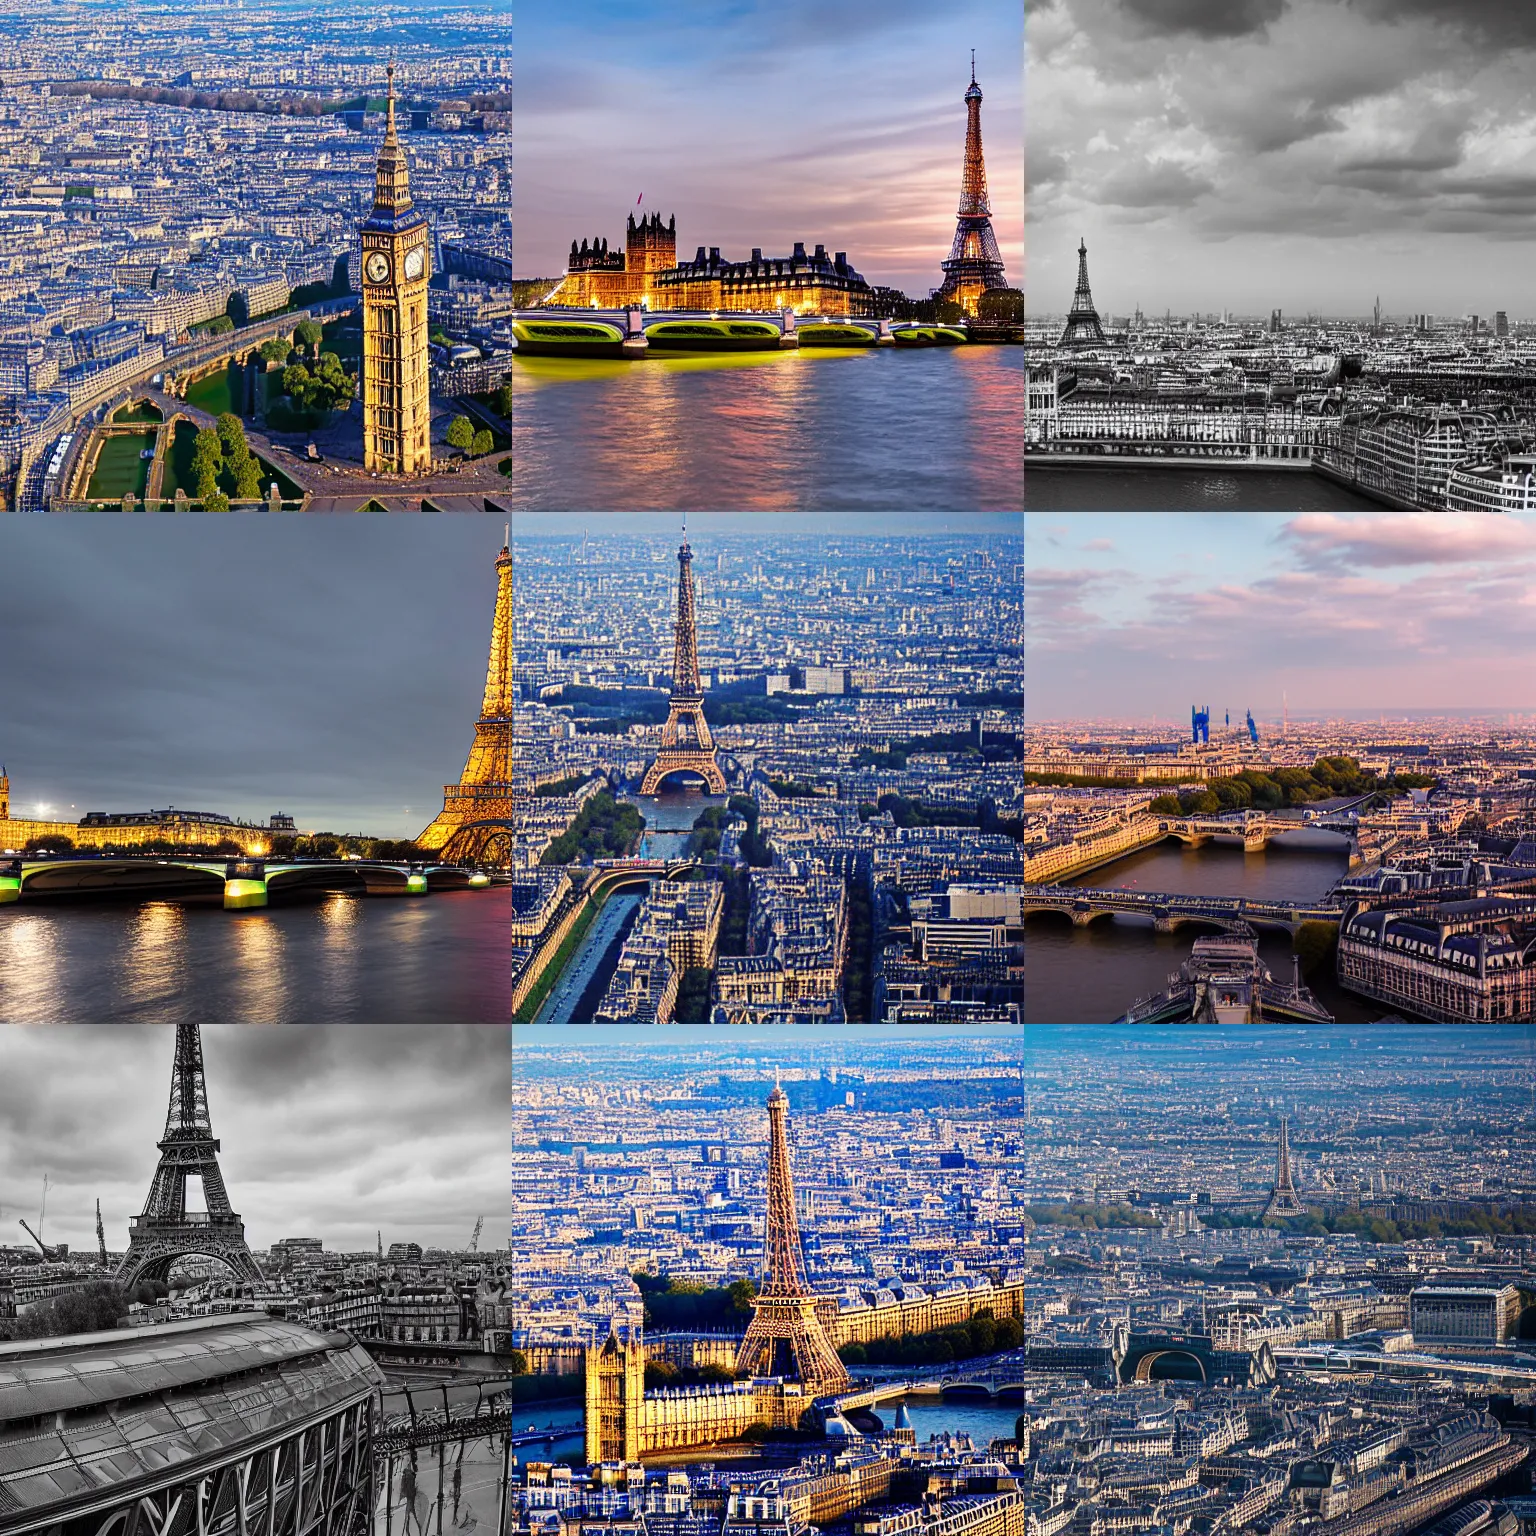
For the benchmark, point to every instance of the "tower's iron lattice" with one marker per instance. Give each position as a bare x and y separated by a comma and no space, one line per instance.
786,1336
1082,328
974,264
166,1231
476,822
1283,1199
686,744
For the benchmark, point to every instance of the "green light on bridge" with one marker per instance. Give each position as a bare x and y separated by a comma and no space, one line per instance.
478,881
415,884
239,894
10,888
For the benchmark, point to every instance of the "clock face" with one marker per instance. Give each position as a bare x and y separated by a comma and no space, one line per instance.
415,261
376,267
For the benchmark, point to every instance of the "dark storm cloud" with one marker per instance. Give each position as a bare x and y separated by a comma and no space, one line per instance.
1204,18
1145,185
334,1132
1495,23
1309,154
327,666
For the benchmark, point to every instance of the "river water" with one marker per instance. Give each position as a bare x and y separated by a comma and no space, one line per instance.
1132,489
442,958
871,428
1092,975
982,1421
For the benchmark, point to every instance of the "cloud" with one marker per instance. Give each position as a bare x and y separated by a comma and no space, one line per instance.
1098,544
1204,18
1160,184
335,1131
1326,540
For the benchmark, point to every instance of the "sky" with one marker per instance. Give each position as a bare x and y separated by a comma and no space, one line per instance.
337,1132
1300,154
834,122
1134,615
329,667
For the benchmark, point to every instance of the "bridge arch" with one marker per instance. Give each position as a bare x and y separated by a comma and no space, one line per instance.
101,877
1147,1365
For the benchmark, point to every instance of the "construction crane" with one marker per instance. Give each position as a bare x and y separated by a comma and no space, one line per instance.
36,1237
474,1241
101,1237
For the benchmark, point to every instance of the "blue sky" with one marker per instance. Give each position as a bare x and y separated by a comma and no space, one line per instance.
1130,615
826,121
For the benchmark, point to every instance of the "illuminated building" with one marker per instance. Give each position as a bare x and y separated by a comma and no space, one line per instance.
396,264
475,823
136,829
648,273
597,278
974,265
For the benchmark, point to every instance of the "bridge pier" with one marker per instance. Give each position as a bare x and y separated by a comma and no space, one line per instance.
245,884
1081,919
634,343
416,883
789,337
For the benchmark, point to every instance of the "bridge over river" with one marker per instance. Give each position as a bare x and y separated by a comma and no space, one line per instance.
1084,904
242,883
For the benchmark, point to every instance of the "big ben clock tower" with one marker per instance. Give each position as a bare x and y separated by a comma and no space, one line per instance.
396,263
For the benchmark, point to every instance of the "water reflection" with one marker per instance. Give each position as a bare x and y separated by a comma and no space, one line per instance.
819,429
442,958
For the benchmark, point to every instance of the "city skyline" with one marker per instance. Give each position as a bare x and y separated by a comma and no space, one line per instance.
1307,155
801,146
330,1133
1128,615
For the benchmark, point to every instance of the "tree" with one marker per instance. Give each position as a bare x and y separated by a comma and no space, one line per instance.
517,1363
308,334
1001,306
219,325
274,351
501,401
92,1309
231,433
216,501
248,479
461,432
49,842
482,442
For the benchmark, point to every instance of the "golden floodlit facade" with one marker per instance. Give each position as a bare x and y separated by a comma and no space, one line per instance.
475,824
647,273
395,268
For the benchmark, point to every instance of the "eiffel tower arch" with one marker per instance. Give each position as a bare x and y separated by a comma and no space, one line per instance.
786,1336
686,744
165,1230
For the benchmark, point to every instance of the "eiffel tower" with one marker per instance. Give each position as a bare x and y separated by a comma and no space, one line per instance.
686,745
786,1336
1082,328
975,264
166,1231
1283,1200
475,824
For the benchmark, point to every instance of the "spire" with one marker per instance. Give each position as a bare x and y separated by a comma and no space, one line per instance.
1082,328
392,182
974,264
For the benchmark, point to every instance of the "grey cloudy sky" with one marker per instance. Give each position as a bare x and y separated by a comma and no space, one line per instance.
330,667
1301,154
333,1132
